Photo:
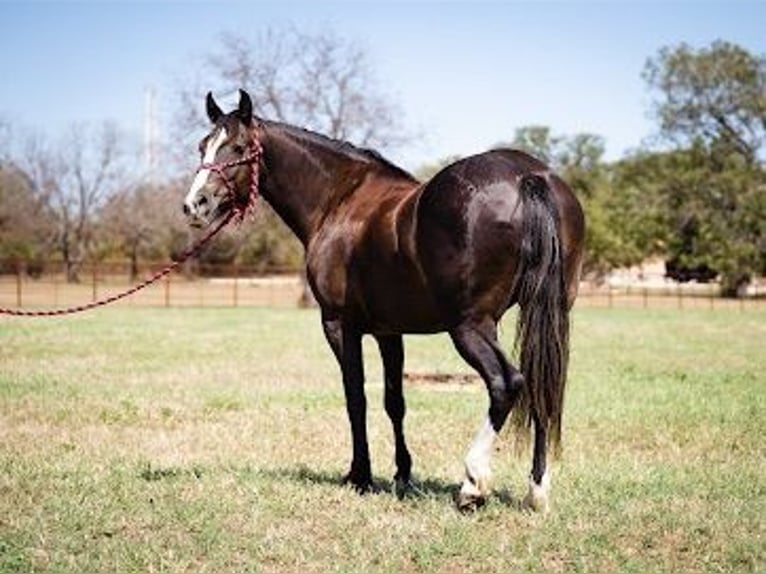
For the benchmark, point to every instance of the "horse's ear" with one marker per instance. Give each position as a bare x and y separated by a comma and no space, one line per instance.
214,113
245,109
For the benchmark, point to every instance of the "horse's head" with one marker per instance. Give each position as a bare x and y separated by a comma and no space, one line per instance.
227,178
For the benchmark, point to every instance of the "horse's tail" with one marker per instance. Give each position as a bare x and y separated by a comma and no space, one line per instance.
542,332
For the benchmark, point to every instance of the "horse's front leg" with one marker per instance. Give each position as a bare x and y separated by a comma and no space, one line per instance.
346,343
392,353
477,344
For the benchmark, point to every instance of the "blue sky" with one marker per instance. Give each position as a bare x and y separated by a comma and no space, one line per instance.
465,74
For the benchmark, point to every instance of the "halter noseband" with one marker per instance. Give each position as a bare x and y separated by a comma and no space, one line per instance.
253,156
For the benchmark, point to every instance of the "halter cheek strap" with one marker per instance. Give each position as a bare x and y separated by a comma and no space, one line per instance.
253,157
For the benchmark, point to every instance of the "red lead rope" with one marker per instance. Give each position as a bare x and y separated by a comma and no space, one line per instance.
253,157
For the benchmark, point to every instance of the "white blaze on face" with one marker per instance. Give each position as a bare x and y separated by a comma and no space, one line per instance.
200,179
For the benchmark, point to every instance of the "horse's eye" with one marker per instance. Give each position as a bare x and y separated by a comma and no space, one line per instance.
238,149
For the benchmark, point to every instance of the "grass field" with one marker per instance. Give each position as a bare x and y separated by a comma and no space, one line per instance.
212,440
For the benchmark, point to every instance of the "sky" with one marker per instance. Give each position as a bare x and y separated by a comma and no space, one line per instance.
464,74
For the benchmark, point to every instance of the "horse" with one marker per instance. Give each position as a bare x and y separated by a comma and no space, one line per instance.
387,255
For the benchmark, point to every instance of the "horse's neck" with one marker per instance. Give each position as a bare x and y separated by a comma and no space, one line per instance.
304,181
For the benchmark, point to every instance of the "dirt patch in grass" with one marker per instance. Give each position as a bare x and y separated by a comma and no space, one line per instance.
442,379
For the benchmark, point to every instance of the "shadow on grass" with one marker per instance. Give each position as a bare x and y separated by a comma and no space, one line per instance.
429,488
154,474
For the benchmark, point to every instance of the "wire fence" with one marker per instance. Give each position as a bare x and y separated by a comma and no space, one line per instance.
668,296
241,286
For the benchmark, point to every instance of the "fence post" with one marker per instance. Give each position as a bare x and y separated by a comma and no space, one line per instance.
95,281
235,288
18,286
167,290
55,288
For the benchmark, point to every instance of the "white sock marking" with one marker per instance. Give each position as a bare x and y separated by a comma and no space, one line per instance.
537,497
477,461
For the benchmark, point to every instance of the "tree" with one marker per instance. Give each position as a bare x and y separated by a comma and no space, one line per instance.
75,179
637,222
538,141
715,94
318,81
706,218
712,104
578,158
6,137
139,222
25,223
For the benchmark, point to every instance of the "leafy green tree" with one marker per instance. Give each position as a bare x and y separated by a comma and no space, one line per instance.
700,213
538,141
716,95
711,104
578,158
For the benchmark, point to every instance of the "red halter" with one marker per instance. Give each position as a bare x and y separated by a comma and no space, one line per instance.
252,157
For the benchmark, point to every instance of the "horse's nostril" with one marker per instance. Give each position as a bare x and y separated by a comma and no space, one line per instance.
187,209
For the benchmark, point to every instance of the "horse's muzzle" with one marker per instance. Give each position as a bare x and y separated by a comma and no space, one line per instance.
193,217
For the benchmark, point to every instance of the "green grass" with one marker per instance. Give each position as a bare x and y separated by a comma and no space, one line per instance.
214,440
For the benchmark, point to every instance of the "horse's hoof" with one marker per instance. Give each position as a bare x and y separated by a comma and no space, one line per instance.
473,493
536,499
404,487
536,504
468,503
361,484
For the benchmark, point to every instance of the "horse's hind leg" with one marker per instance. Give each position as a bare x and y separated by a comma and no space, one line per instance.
540,478
392,353
477,344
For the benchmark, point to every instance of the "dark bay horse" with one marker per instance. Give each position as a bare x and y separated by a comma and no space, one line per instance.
387,255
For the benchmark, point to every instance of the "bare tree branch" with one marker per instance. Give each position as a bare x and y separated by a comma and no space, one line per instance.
315,80
75,179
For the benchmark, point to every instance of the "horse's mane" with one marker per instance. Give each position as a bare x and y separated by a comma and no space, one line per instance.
344,148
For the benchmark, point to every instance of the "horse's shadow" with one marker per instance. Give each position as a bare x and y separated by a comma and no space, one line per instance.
417,489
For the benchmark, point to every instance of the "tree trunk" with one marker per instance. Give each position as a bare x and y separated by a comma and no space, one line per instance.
133,263
72,270
734,287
